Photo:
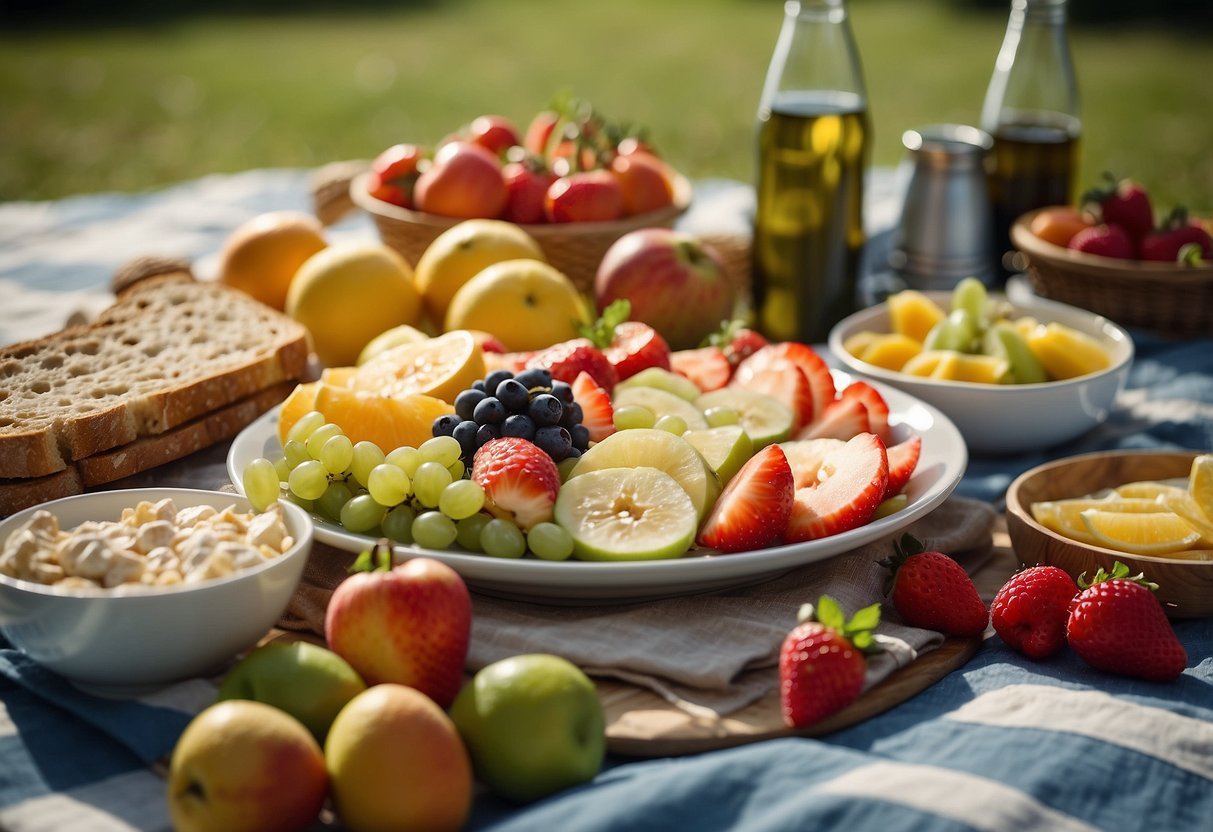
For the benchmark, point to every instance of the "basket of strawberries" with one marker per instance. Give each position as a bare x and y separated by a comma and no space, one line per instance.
1114,255
574,181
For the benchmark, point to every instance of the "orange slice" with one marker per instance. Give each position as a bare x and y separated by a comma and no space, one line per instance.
301,400
389,421
441,367
1155,533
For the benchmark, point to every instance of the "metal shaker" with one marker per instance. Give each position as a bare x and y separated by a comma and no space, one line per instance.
946,229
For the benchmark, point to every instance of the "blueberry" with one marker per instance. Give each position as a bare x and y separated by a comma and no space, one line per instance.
486,432
546,409
562,391
465,402
478,384
489,411
572,416
574,453
581,436
466,432
554,441
493,379
445,424
513,395
535,377
518,425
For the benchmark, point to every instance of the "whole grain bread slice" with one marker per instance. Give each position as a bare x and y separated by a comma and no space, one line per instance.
170,349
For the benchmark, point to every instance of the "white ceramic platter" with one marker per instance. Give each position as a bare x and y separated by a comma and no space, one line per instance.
940,467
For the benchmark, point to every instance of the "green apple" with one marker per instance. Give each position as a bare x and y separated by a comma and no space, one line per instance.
725,448
765,418
626,514
533,725
307,681
662,379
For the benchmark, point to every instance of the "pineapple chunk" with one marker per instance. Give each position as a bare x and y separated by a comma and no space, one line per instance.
913,314
1065,352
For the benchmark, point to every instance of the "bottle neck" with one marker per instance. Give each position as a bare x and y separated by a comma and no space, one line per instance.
815,52
1040,12
1033,76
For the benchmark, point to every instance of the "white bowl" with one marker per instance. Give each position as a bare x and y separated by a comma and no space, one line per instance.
124,645
1010,418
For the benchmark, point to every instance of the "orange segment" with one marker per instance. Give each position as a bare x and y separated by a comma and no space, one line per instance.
388,421
441,367
301,400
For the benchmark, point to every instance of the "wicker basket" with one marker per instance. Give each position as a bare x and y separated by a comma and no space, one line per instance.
574,248
1169,299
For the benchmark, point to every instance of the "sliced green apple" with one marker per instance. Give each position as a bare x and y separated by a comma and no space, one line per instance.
617,514
662,379
725,449
662,403
765,418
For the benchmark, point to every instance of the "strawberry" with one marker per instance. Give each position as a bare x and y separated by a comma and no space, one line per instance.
1117,625
630,346
754,507
805,456
1168,241
708,367
1104,240
519,480
821,661
842,419
821,382
932,591
849,484
1029,613
903,460
1124,203
527,183
737,341
780,379
877,407
597,414
568,358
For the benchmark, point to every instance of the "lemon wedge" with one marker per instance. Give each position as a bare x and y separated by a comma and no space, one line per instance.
1200,484
1151,533
1065,516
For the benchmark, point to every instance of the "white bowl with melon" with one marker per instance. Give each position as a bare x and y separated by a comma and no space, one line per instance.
1013,377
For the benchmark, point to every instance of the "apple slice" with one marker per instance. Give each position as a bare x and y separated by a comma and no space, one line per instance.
765,418
662,379
851,483
653,448
620,514
662,403
725,449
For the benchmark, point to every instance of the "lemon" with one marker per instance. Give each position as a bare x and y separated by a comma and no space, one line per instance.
526,304
441,367
347,294
1147,490
394,337
1065,516
463,251
1185,505
1200,484
262,255
1154,533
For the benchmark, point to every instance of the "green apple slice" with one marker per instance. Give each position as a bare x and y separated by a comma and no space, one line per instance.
660,378
765,418
653,448
725,449
626,514
662,403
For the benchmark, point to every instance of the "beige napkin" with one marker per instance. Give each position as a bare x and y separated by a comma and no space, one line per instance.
715,651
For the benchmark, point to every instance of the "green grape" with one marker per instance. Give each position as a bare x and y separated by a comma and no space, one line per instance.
957,332
398,524
361,514
970,295
566,466
633,416
307,423
434,530
295,453
407,459
461,499
337,453
282,468
467,531
549,541
720,416
457,469
672,424
333,500
502,539
388,484
441,449
1002,339
366,456
261,483
430,479
319,436
309,480
307,505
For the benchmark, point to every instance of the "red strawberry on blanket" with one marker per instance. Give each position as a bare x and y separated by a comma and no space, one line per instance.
1123,203
932,591
1030,612
754,507
903,460
597,414
630,346
822,663
568,358
1117,625
845,486
520,481
708,367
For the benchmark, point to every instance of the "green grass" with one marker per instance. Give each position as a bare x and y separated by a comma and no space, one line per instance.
131,107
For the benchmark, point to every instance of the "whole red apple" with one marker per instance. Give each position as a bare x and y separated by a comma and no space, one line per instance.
464,181
676,284
409,625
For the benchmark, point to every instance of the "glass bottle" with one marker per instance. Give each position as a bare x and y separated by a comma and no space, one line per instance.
813,147
1031,110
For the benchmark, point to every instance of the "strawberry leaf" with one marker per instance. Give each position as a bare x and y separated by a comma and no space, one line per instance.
1120,572
602,332
830,613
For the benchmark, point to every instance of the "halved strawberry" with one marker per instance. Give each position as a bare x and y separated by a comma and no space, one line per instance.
520,481
903,459
568,358
636,346
842,419
754,507
815,369
805,456
597,414
852,481
878,408
781,379
708,367
737,341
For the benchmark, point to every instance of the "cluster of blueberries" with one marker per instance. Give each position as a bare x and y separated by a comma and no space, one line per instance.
528,405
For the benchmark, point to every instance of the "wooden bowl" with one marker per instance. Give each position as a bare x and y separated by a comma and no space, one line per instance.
1164,297
1185,587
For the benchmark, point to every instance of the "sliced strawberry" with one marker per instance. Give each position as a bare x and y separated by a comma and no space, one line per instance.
878,408
815,369
780,379
520,481
754,507
842,419
805,456
635,347
708,367
903,459
597,414
852,481
568,358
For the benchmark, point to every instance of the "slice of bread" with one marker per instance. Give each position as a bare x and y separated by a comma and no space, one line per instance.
171,349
